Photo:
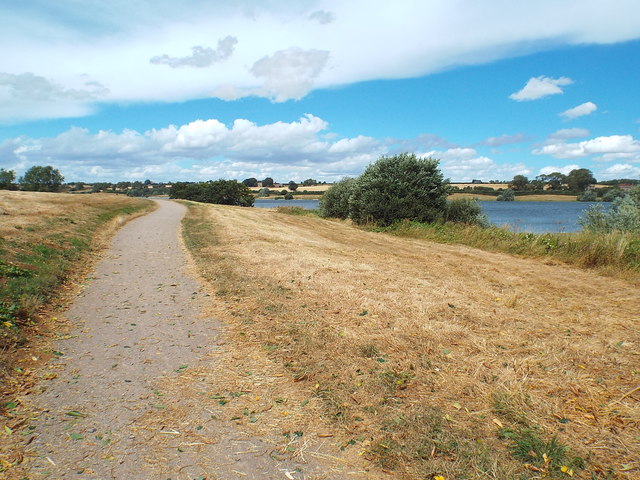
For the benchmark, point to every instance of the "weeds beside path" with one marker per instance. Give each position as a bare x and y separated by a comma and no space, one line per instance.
425,359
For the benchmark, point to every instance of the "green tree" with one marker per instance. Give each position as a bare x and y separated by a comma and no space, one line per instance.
519,182
293,186
309,182
41,179
7,177
267,182
554,180
579,179
399,187
250,182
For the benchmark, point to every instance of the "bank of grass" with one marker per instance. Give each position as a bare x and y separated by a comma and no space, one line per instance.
427,360
613,253
44,240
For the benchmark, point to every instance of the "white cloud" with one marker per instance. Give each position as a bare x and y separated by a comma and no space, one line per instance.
202,149
609,147
564,170
318,44
540,87
620,170
567,134
200,57
579,111
466,164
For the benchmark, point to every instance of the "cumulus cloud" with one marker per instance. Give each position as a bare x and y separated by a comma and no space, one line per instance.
579,111
200,57
289,74
610,147
464,164
322,17
564,170
202,149
540,87
620,170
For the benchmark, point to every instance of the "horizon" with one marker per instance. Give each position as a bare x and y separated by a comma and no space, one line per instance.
191,92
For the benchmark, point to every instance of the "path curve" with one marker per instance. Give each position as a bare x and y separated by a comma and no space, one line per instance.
136,326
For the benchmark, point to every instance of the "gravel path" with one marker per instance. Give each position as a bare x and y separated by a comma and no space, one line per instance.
136,326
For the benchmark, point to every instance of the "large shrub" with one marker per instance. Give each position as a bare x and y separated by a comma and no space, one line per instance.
399,187
335,201
623,215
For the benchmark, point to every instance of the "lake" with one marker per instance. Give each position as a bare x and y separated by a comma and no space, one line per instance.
536,217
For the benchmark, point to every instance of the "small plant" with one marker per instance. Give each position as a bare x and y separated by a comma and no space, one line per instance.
548,455
369,350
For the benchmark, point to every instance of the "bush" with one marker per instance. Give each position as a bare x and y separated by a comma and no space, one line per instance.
264,192
588,196
623,216
465,210
288,196
399,187
611,194
507,196
335,201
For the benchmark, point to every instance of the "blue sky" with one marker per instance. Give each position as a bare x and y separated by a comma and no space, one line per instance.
191,90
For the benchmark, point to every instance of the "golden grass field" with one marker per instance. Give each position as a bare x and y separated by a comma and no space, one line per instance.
414,358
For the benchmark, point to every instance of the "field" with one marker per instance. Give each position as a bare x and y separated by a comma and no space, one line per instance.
419,359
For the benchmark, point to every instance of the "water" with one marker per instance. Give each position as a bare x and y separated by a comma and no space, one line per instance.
536,217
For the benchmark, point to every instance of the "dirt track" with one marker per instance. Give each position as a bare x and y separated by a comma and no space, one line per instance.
135,329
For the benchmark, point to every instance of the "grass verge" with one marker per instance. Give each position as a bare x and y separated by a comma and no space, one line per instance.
44,240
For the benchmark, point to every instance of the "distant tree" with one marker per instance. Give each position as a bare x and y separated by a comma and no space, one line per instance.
267,182
147,182
293,186
519,182
264,192
224,192
250,182
41,179
507,196
579,179
288,196
309,182
7,177
554,180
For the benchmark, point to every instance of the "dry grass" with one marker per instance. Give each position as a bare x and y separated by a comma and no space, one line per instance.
413,355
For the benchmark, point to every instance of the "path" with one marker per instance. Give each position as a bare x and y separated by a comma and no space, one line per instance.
136,327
